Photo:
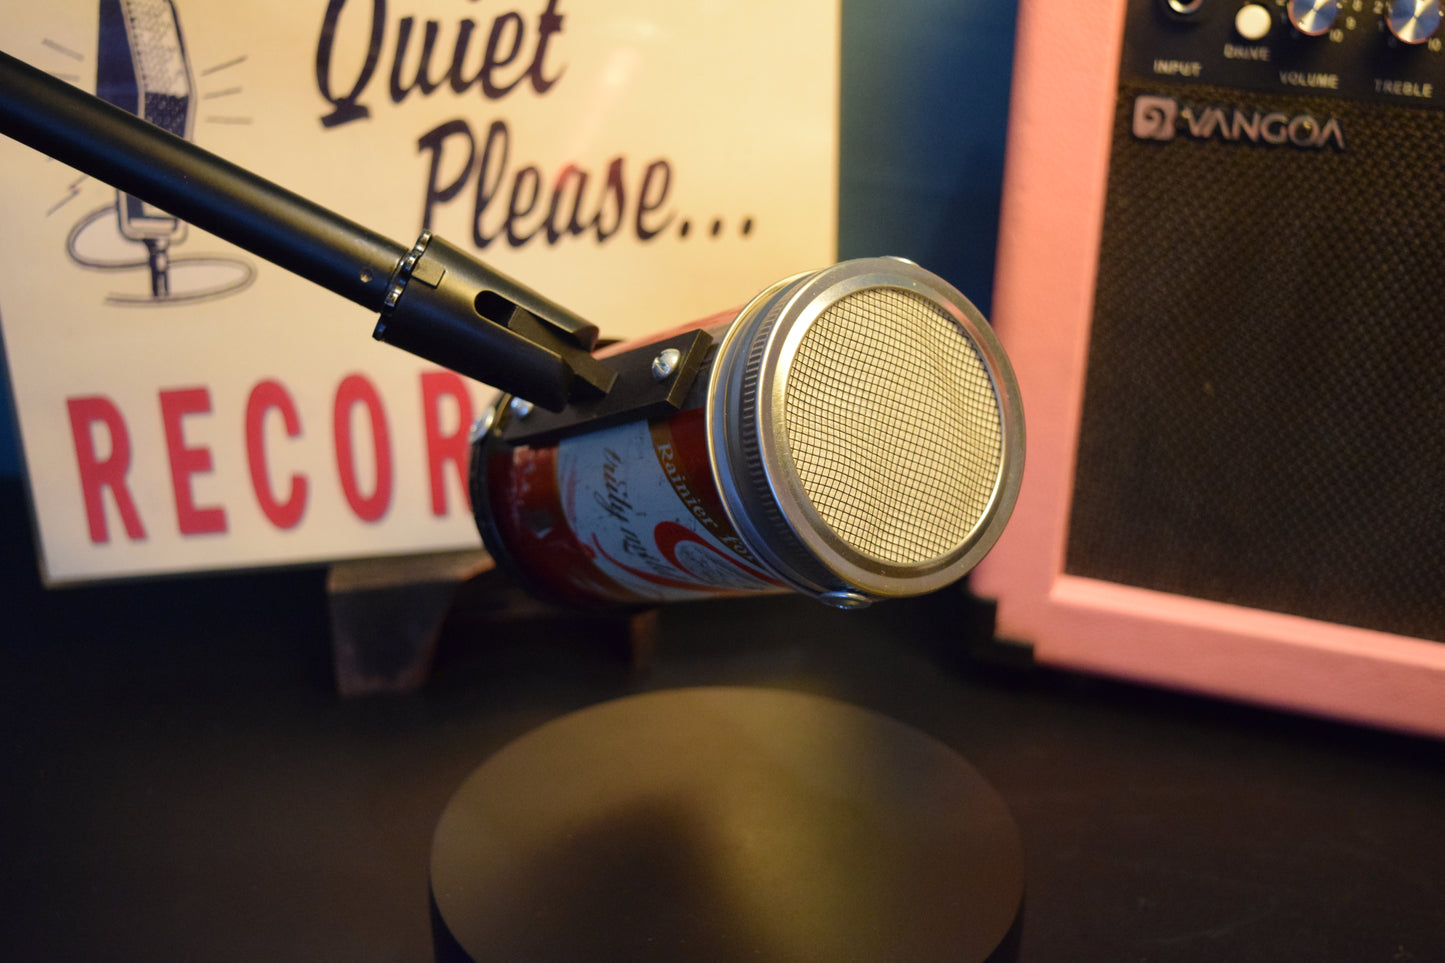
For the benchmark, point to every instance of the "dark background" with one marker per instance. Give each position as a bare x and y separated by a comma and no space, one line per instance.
181,781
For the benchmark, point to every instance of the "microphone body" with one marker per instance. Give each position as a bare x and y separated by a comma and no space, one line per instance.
854,434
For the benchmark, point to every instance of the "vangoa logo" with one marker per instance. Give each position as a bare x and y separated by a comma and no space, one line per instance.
1163,119
1155,117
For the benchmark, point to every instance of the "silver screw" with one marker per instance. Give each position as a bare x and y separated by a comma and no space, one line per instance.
521,407
844,599
665,364
481,426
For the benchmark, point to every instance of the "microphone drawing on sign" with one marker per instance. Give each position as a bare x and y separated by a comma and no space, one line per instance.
142,67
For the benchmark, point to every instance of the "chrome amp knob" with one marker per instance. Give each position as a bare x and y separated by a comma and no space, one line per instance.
1313,17
1414,21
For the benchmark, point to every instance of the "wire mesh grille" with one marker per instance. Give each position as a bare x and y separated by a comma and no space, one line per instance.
893,424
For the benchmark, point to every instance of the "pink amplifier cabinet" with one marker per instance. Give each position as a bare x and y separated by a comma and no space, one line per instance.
1222,283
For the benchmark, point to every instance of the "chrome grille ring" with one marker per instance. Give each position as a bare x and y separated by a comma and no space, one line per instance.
865,431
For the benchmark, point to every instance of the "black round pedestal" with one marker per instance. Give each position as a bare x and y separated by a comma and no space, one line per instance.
725,824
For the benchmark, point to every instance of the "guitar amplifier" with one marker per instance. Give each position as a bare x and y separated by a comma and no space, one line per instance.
1222,282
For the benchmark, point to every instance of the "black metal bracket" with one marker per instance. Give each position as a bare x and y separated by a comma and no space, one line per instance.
649,383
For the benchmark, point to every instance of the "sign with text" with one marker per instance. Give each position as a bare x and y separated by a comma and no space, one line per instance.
184,405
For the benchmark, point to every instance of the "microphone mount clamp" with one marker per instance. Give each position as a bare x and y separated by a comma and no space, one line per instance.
642,390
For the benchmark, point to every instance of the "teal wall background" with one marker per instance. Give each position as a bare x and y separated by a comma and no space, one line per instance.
924,109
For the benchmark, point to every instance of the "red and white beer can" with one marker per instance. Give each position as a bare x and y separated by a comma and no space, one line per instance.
855,434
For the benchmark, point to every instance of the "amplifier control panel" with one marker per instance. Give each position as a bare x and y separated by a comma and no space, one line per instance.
1384,50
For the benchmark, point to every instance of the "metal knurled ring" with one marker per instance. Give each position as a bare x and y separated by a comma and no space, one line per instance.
402,275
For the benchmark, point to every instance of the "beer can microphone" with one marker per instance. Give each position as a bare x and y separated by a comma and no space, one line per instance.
854,434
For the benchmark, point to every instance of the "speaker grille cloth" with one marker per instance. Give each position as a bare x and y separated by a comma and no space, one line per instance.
893,424
1264,415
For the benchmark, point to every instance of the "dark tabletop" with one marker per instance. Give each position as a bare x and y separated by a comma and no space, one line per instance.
182,783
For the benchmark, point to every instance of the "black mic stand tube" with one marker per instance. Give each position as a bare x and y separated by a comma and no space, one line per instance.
461,315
